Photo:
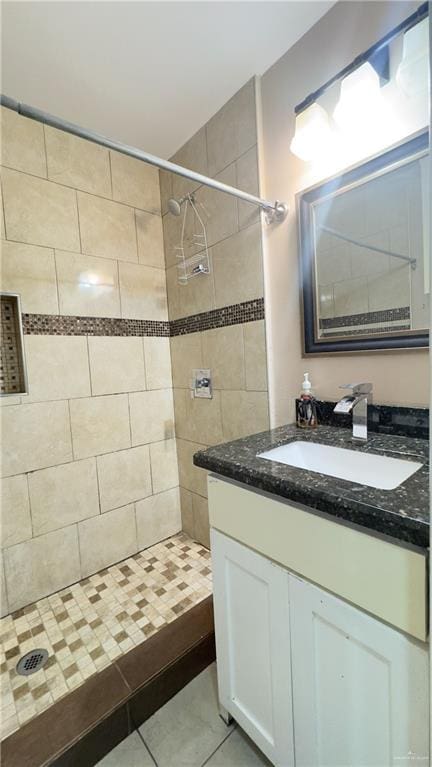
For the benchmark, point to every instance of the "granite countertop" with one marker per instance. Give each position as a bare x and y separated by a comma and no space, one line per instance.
402,513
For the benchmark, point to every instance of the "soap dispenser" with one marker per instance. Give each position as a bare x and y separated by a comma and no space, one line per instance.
306,406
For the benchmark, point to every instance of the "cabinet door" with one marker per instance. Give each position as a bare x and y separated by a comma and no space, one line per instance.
360,688
252,645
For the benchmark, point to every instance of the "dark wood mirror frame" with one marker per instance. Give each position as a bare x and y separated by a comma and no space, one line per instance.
391,341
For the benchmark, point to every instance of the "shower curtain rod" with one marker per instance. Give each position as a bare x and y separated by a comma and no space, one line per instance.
275,211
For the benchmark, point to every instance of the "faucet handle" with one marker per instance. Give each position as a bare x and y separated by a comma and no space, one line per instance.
358,388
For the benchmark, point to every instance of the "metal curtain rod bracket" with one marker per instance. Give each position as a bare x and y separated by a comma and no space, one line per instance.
418,15
274,211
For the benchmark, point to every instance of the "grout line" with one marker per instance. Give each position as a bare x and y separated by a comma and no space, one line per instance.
78,218
145,745
111,175
70,431
45,150
206,761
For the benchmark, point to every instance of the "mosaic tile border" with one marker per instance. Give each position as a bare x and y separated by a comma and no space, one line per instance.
367,318
61,325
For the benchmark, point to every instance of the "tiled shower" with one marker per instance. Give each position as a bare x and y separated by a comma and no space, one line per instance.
99,490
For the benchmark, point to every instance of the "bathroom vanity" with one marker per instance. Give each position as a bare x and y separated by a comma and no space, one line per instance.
320,596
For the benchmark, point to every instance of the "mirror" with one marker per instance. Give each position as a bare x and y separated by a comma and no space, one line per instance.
364,251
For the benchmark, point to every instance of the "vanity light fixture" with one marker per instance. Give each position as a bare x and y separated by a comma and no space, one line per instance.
412,75
359,98
312,133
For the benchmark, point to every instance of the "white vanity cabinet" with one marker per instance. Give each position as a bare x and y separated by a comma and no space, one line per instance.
314,681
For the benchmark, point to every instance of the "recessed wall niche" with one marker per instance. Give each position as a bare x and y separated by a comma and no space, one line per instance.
12,364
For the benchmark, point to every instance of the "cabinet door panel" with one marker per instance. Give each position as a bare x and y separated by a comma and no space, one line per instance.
359,687
252,643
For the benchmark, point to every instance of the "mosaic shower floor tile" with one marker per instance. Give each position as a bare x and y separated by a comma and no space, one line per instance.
85,627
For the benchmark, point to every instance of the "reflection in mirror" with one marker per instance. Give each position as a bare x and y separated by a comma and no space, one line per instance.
369,252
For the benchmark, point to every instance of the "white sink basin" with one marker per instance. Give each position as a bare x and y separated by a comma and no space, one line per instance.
364,468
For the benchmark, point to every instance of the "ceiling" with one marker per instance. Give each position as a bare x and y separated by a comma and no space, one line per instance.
145,73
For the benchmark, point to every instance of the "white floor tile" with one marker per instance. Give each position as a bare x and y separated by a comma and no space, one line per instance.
131,752
238,751
186,731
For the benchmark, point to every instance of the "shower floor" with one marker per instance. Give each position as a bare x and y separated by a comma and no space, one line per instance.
87,626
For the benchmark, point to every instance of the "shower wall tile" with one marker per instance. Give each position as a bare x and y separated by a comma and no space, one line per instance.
186,355
107,228
221,218
106,539
15,511
255,356
166,189
87,286
57,367
143,292
116,365
192,155
192,478
198,419
62,495
151,416
164,466
186,511
30,271
247,180
158,517
78,163
22,143
223,353
2,222
232,130
39,212
124,477
150,239
38,567
238,270
157,363
38,435
201,519
99,425
135,183
4,606
240,409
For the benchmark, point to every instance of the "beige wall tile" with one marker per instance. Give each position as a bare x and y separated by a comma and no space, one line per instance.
187,512
8,401
255,355
41,566
38,435
238,269
116,364
57,367
232,130
351,296
158,517
152,416
390,290
193,298
198,420
221,218
99,425
30,271
107,228
150,239
157,357
22,143
143,292
164,467
165,183
63,495
186,355
2,223
15,511
4,607
191,477
247,180
124,477
201,519
243,413
106,539
39,212
75,162
223,353
172,226
135,183
192,155
87,286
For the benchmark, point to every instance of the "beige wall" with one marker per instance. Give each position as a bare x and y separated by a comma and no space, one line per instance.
398,378
224,148
89,461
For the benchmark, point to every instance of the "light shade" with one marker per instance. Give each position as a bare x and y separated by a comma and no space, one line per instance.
360,96
312,133
412,75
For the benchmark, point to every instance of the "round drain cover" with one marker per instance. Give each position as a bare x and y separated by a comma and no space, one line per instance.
31,662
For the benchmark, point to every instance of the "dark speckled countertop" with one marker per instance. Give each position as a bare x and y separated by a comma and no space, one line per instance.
402,513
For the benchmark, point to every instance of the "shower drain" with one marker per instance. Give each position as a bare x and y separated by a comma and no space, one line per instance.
31,662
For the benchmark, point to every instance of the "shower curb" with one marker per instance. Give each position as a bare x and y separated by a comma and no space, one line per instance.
81,728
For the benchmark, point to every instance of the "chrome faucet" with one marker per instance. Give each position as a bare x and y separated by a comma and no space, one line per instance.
356,403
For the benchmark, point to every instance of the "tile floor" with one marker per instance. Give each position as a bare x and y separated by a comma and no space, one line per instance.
188,732
85,627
